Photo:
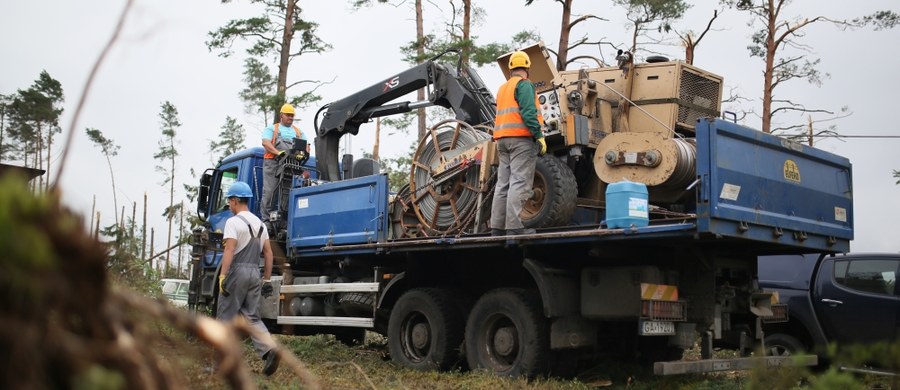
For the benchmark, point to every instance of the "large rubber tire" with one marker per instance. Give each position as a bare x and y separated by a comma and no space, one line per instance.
553,203
508,335
425,331
782,344
357,304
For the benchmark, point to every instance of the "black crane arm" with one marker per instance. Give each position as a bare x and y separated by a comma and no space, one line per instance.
461,91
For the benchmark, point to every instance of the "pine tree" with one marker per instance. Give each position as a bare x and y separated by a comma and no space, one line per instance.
166,155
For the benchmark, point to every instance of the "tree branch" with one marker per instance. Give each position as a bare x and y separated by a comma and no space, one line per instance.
319,83
584,18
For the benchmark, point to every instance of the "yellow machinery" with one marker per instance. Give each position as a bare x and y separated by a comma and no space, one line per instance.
631,121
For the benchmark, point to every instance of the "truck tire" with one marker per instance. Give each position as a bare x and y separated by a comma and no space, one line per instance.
782,344
357,304
508,335
425,331
553,203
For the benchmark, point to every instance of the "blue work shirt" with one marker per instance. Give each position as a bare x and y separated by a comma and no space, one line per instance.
286,132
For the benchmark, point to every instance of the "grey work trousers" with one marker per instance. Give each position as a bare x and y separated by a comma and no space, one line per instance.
270,182
270,169
243,284
514,181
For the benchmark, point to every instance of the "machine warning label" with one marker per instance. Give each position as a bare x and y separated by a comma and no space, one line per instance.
302,203
840,214
730,192
791,171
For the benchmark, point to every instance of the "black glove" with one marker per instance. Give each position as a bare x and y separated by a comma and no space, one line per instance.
267,289
280,155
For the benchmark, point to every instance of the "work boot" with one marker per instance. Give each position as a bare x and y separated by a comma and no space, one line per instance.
519,232
272,358
498,232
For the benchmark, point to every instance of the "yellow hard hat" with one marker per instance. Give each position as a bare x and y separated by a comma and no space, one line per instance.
519,59
287,109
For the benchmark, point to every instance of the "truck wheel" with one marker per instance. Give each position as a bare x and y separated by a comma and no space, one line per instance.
553,202
508,334
781,344
425,331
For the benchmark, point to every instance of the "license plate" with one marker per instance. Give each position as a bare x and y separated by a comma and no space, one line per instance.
664,328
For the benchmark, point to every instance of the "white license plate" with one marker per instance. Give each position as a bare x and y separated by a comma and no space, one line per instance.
666,328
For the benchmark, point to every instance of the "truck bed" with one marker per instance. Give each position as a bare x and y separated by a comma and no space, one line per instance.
756,192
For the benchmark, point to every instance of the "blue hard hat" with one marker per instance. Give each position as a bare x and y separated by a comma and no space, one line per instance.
239,189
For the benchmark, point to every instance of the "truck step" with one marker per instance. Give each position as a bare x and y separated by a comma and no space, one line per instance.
748,363
329,287
356,322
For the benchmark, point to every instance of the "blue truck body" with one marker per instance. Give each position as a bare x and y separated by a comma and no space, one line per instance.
647,292
745,194
765,188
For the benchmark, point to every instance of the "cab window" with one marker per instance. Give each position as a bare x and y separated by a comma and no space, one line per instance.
229,176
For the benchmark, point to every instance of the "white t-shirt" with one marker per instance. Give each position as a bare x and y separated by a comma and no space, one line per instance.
236,228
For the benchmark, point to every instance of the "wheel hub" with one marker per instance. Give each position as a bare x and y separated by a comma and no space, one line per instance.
505,341
533,205
420,336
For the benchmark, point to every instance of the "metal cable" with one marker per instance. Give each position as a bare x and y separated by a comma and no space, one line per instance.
444,208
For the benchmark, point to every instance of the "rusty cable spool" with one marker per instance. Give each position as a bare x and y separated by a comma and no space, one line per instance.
444,201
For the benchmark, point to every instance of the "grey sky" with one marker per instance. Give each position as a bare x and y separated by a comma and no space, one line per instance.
161,56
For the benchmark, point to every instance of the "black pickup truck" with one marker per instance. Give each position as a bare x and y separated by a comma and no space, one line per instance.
842,299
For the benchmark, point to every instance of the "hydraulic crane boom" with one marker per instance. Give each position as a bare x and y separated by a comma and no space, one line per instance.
460,90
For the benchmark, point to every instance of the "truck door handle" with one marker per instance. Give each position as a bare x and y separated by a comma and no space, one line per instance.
832,302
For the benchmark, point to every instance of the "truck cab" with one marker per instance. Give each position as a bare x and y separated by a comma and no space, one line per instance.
246,166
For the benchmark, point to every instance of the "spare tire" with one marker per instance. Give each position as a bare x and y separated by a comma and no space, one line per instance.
553,202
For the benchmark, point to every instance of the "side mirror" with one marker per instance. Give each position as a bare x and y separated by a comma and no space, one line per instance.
203,196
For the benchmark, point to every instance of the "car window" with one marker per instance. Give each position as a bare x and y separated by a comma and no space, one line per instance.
182,288
874,276
169,287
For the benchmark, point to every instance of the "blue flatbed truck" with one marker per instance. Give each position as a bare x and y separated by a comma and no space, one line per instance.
521,303
417,267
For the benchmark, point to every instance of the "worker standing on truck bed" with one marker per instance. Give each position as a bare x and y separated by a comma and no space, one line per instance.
275,149
244,238
516,128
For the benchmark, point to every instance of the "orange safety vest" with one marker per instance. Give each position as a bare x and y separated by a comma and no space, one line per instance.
508,122
276,134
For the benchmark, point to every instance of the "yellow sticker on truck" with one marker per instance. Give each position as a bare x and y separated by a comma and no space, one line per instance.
659,292
791,171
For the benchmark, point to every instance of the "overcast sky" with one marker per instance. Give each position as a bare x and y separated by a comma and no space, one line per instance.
162,56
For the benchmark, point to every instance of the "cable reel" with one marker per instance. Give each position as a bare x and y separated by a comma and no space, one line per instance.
447,179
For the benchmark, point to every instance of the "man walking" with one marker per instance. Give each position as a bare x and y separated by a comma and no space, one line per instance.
517,131
276,139
244,238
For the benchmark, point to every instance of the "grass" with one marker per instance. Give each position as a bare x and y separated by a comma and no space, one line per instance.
369,366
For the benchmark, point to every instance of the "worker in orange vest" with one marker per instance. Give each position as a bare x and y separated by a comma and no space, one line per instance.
517,131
